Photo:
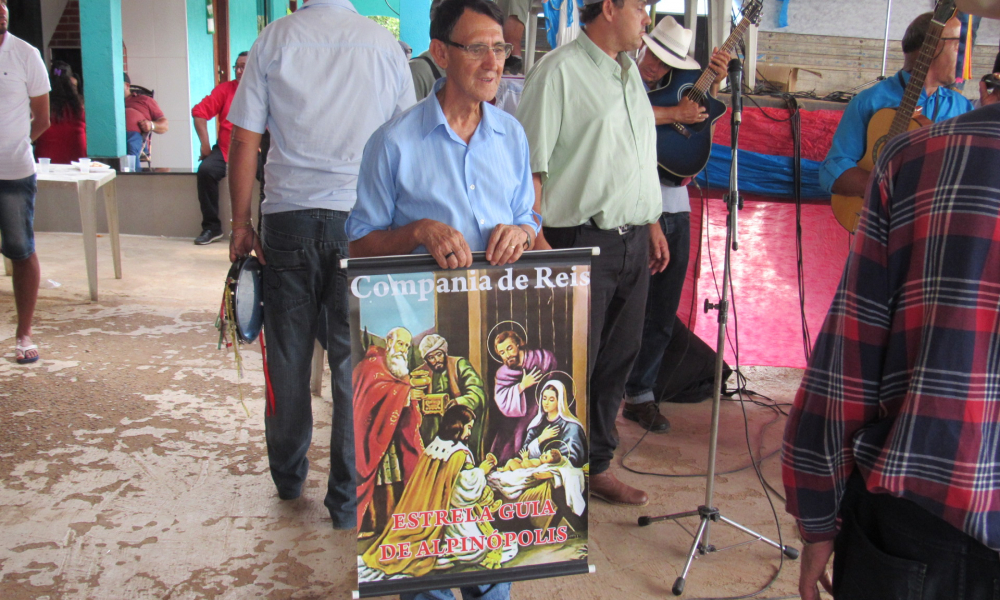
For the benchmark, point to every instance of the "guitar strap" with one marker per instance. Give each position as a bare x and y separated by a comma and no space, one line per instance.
434,68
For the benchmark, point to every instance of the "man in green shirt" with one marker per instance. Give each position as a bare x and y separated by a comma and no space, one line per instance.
592,137
443,381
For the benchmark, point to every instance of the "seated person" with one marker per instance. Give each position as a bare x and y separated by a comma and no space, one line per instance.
142,115
214,158
549,457
65,140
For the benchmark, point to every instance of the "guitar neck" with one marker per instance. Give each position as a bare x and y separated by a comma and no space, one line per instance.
704,82
918,76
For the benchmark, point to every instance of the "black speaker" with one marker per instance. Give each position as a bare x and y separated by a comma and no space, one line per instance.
687,373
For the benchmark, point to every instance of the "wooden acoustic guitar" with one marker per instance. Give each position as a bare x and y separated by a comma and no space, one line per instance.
682,151
890,122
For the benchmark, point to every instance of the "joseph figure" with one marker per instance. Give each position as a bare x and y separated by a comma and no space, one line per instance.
514,393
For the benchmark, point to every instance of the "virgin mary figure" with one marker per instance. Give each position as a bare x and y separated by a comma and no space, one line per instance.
554,421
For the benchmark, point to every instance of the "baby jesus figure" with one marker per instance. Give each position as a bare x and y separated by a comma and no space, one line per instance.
549,457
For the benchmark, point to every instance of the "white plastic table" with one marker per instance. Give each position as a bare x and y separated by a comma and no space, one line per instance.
86,185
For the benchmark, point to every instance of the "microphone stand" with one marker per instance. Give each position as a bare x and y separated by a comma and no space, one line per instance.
707,513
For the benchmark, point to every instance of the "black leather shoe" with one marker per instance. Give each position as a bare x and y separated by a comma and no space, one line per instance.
207,237
648,415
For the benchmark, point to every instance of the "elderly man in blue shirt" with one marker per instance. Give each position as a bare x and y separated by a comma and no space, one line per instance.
321,80
477,193
840,173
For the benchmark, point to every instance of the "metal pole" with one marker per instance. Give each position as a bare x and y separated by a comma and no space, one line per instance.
691,22
885,48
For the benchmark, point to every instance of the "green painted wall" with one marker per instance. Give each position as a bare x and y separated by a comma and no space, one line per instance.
379,8
415,24
104,94
242,28
201,67
276,9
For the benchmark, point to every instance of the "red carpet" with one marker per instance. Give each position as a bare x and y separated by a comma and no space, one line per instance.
764,269
764,276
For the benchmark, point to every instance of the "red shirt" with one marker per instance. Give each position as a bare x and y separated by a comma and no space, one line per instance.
217,104
139,107
64,141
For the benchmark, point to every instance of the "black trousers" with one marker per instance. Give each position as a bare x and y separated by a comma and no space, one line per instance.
211,171
619,280
889,548
661,308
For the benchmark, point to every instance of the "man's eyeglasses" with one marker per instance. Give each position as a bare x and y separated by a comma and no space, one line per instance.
238,68
478,51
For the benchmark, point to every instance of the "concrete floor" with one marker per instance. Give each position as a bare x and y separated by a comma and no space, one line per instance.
130,470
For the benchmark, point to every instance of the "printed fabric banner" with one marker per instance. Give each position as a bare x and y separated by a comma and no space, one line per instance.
470,420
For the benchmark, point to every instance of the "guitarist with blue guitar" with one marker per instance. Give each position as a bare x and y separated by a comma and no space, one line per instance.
668,74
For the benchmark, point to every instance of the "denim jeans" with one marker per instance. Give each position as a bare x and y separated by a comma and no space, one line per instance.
497,591
211,171
17,217
889,547
619,280
134,144
661,308
303,282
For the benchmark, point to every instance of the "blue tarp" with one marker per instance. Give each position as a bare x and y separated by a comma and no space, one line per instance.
551,11
761,173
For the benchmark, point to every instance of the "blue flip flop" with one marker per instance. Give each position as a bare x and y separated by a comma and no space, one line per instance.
23,350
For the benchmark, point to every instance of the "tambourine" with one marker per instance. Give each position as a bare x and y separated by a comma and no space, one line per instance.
247,311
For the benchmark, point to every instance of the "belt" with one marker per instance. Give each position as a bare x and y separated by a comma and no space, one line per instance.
621,230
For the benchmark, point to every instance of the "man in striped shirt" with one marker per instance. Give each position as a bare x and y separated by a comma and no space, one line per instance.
892,451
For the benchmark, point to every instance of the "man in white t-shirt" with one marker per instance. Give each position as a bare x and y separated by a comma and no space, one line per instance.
24,115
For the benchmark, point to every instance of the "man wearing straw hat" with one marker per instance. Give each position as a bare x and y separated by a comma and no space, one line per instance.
593,157
663,51
890,458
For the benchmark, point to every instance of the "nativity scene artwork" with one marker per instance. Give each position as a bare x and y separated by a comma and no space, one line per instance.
470,406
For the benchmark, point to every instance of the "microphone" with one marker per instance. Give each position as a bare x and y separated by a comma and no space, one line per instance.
736,85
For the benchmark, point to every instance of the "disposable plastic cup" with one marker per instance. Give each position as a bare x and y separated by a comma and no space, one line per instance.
85,165
43,165
130,159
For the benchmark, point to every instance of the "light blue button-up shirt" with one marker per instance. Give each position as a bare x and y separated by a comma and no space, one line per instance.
416,167
851,138
321,80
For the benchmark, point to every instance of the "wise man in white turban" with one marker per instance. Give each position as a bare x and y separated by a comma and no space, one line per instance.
443,381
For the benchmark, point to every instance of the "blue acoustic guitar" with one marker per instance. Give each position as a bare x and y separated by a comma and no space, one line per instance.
682,151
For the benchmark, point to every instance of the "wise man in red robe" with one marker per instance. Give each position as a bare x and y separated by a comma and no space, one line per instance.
386,423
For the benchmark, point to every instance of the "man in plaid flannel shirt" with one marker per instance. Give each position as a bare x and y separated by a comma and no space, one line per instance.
891,457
